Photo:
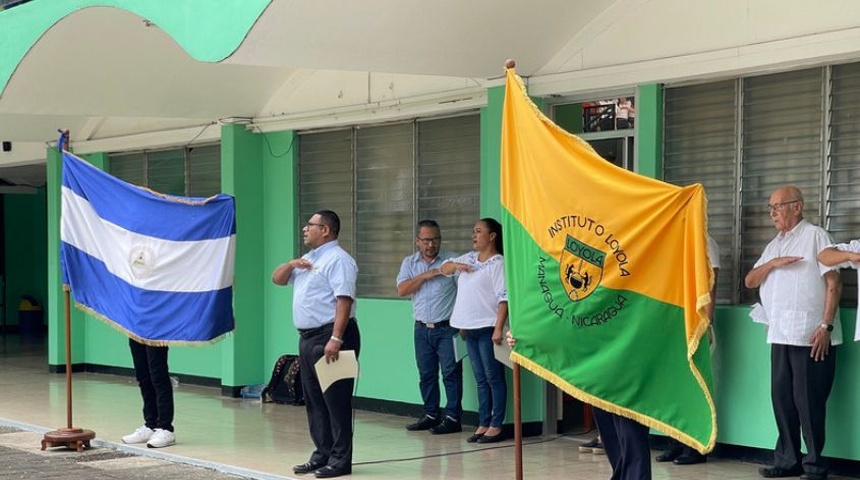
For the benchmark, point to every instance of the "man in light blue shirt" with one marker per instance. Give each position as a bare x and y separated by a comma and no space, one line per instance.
324,314
432,302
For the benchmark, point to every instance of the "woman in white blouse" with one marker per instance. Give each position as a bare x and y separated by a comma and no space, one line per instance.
480,312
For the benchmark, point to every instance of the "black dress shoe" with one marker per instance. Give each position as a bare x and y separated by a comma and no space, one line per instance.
491,438
426,423
330,472
449,425
669,454
814,476
307,467
690,458
475,437
779,472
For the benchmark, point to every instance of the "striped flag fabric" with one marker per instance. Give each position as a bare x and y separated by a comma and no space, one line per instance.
608,277
157,267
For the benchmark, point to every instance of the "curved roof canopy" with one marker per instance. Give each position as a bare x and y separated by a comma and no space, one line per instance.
113,68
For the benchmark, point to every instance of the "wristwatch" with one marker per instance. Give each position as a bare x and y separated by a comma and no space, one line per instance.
827,326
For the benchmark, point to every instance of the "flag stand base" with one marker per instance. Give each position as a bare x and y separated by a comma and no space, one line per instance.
76,438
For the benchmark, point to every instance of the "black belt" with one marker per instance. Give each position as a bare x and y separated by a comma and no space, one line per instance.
325,329
443,323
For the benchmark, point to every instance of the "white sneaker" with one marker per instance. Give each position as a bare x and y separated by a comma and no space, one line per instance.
161,438
141,435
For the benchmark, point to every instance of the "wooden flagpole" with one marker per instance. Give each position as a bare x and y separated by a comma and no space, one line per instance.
71,437
518,411
518,425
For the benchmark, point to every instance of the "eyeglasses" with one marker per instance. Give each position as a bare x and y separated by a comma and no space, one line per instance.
310,224
778,207
429,241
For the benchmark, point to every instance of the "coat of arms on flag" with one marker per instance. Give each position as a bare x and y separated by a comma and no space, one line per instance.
581,268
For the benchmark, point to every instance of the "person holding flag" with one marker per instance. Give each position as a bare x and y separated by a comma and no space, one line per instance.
157,267
608,303
676,452
625,441
153,378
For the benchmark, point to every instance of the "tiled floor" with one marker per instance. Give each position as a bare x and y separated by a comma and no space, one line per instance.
264,440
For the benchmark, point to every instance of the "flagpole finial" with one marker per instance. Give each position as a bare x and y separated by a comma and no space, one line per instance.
63,142
510,63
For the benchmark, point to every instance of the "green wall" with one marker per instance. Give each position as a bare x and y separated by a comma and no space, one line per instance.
26,242
649,130
279,157
742,374
491,153
241,176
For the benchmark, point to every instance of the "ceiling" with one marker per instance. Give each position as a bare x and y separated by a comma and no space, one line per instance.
104,72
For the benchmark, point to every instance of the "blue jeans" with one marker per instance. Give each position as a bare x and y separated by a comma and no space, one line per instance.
434,350
490,377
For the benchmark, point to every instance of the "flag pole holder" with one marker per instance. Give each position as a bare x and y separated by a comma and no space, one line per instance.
70,437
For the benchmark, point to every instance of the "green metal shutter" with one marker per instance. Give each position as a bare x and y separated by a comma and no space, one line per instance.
843,221
166,171
448,186
130,167
384,204
326,181
204,171
700,145
382,179
783,118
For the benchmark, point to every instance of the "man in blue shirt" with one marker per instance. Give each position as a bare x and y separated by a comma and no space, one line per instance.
432,302
324,314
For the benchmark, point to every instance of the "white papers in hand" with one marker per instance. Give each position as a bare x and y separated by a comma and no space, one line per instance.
346,366
460,350
503,352
758,314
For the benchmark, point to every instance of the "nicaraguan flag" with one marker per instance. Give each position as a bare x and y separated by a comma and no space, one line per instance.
158,267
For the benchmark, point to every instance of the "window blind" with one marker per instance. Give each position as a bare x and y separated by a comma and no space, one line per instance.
700,146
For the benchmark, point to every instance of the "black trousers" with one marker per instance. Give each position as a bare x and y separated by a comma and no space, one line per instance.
626,445
799,390
329,413
153,378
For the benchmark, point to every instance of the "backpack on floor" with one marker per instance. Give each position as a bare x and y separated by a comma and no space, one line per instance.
285,386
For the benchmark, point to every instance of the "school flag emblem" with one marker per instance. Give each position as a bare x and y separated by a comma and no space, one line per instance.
581,268
157,267
607,288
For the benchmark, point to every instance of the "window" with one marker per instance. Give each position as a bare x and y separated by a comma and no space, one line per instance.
743,138
382,179
192,171
327,180
782,123
701,146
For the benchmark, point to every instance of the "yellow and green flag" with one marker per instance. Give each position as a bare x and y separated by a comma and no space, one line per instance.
608,277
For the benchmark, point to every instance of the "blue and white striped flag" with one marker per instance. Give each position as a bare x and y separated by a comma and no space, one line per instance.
158,267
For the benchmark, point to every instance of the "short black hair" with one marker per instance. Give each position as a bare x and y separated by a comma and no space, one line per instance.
426,223
331,220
